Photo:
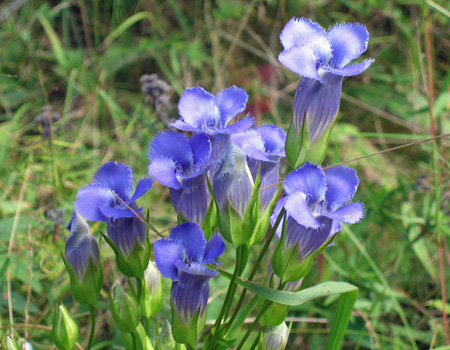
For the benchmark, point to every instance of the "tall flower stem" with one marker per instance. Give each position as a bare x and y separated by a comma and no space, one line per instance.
92,333
255,267
228,297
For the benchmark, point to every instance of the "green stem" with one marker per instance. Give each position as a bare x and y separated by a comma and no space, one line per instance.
139,289
133,340
255,267
265,307
256,341
228,297
92,333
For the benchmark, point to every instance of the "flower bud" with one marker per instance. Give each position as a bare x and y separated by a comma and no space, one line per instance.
65,330
124,309
151,296
275,338
11,344
142,340
82,262
165,339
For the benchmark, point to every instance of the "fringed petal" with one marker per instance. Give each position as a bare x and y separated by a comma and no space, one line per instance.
308,179
116,176
197,107
342,183
192,238
231,102
168,255
89,200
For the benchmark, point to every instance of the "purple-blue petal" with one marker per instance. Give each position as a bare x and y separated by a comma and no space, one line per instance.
191,238
252,143
198,108
300,60
168,255
126,232
118,212
307,91
193,199
350,213
322,109
239,193
182,125
348,41
351,70
201,149
231,102
300,31
89,200
274,216
297,207
342,183
163,170
215,247
271,179
116,176
274,138
308,179
172,145
142,187
308,240
241,126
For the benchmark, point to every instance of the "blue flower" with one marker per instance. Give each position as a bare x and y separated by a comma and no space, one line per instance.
181,164
316,204
99,201
321,57
182,258
81,246
202,112
104,199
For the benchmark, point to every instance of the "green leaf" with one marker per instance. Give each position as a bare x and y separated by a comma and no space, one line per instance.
294,298
341,318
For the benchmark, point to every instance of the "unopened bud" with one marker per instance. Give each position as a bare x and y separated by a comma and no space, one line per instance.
65,330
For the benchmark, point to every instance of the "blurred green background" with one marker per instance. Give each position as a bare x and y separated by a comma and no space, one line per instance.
78,64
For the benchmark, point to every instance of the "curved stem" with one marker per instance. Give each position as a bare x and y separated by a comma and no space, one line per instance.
92,333
255,267
228,297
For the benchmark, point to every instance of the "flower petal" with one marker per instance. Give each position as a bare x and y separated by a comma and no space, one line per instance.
239,193
172,145
252,143
308,240
117,213
182,125
297,207
350,213
348,41
116,176
201,149
163,171
142,187
215,247
197,107
126,232
194,198
342,183
351,70
192,239
168,254
322,110
271,179
307,91
274,216
300,31
274,138
308,179
89,200
300,60
241,126
231,102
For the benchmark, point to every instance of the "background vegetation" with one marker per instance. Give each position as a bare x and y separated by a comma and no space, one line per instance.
84,59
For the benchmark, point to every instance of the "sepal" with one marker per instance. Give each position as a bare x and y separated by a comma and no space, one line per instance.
124,309
65,330
165,339
142,340
186,333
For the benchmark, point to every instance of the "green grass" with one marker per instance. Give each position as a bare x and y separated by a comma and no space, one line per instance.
85,58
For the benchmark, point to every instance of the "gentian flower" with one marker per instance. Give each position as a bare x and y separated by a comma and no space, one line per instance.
181,164
321,58
108,198
315,204
82,261
202,112
182,258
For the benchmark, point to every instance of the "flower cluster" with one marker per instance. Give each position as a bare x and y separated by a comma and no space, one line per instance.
223,177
